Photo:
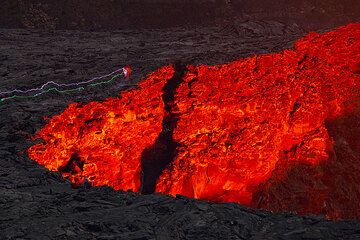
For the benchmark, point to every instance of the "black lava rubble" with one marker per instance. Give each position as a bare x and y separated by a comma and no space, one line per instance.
38,204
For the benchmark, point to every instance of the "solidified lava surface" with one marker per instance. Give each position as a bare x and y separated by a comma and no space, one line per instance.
277,131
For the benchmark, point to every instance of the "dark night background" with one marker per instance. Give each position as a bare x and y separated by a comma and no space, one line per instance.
73,40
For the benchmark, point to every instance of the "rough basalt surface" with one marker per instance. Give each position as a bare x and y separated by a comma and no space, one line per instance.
129,14
227,132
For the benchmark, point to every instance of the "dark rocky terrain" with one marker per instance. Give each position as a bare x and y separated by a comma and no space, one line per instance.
125,14
38,204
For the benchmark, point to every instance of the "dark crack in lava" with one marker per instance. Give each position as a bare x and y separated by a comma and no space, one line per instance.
156,158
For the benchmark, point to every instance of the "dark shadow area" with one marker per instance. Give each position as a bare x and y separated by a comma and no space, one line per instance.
329,188
156,158
73,166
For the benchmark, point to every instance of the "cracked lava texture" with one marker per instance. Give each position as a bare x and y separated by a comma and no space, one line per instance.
275,131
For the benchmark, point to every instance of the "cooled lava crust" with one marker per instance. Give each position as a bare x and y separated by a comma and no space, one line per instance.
277,131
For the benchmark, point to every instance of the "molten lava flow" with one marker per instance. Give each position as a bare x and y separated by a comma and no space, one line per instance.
103,141
239,120
276,131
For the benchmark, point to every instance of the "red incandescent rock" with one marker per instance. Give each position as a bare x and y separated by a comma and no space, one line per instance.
277,131
103,141
240,120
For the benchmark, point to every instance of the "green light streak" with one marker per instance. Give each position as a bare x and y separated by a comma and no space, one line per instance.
60,91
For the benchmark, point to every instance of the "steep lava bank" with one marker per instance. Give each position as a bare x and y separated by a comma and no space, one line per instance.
277,131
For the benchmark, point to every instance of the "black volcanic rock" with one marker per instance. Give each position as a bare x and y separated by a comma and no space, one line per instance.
115,14
38,204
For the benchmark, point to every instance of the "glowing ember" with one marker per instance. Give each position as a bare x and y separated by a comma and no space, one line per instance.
276,131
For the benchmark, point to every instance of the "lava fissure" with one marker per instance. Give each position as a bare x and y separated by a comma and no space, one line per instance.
157,157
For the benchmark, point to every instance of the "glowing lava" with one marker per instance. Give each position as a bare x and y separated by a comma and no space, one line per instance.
276,131
103,141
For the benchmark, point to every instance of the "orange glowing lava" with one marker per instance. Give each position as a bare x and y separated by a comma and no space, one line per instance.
276,131
103,141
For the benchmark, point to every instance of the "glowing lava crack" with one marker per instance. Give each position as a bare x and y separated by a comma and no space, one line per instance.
277,131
